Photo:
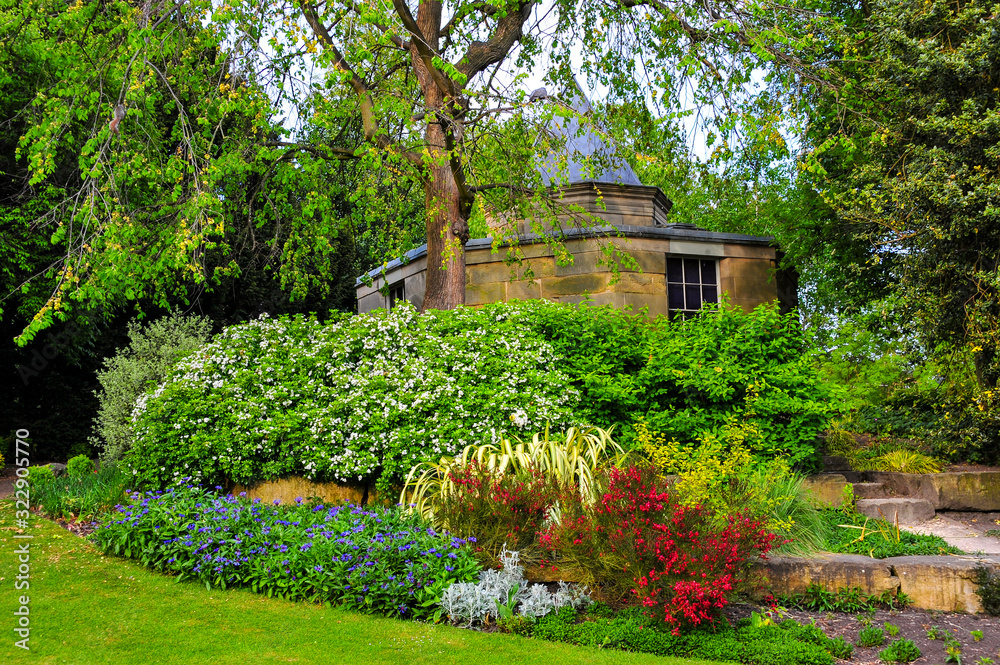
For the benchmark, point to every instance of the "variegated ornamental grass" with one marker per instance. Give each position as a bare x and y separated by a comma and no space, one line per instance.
570,458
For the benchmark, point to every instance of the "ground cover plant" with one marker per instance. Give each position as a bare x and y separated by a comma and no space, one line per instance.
364,398
89,608
853,533
847,599
374,559
784,643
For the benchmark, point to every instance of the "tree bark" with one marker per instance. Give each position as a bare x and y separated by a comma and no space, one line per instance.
446,208
447,233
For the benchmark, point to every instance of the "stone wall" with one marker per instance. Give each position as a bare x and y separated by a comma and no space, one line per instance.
961,490
287,490
746,270
945,583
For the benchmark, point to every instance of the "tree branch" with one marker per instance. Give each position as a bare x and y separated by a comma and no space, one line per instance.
367,106
509,31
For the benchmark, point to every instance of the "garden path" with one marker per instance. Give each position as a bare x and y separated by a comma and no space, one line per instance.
966,534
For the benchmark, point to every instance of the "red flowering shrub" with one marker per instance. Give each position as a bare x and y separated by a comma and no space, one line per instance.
681,562
498,509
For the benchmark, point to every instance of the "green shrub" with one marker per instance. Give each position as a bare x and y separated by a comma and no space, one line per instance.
153,351
900,651
725,366
871,636
357,399
988,590
40,475
366,397
83,495
78,466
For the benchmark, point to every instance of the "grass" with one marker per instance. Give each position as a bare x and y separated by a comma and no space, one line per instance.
89,608
881,540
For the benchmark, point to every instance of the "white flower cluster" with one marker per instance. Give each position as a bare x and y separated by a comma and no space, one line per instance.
469,603
355,398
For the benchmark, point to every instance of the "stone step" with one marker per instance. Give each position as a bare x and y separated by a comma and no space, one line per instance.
835,464
871,491
907,511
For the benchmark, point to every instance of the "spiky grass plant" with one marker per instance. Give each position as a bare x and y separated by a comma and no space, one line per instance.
777,495
569,458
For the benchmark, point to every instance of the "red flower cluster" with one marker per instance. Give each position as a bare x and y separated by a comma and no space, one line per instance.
497,509
683,564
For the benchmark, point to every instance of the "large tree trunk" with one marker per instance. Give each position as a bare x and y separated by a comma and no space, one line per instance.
447,214
447,233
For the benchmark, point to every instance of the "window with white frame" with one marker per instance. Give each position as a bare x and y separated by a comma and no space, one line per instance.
690,284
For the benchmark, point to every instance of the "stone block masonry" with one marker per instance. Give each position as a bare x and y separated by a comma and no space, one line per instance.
945,583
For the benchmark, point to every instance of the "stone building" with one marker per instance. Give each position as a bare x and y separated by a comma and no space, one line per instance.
676,267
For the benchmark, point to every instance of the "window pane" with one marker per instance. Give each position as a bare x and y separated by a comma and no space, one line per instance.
708,272
693,293
675,270
691,272
675,296
709,294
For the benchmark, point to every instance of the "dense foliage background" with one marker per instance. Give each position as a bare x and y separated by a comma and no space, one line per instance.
363,398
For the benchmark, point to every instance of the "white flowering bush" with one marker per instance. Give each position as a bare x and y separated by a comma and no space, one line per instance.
475,603
357,398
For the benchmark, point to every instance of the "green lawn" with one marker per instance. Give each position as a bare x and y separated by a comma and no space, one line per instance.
88,608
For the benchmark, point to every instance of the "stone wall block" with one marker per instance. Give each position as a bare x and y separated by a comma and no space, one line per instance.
826,489
287,490
575,284
940,582
790,575
480,294
958,490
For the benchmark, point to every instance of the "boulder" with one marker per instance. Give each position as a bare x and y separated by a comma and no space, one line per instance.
827,489
958,490
907,511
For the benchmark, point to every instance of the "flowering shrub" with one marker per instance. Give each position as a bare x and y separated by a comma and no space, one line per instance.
372,559
683,565
367,397
359,398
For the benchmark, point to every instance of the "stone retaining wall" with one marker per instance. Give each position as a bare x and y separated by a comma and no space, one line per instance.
944,583
957,490
287,490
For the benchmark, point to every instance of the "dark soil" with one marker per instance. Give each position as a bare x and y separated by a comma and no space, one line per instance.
913,625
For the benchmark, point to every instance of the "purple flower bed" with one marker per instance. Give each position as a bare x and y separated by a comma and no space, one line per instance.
373,559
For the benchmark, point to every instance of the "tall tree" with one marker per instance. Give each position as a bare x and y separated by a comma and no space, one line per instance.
908,155
436,88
